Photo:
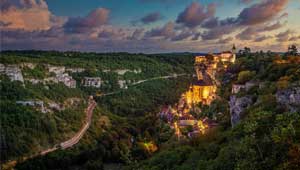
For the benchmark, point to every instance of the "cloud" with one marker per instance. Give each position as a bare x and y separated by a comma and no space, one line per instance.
17,39
262,38
246,1
195,14
284,15
94,32
272,27
26,14
183,35
216,29
247,34
137,34
4,24
252,32
261,12
172,32
19,4
211,23
225,40
150,18
218,32
294,38
112,33
86,24
196,36
284,36
167,31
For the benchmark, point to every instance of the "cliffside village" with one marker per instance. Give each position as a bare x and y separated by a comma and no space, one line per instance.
60,74
203,91
57,74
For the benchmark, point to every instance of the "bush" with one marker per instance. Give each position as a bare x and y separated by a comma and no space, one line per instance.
245,76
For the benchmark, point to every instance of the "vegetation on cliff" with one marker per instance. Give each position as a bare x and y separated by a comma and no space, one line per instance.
121,124
267,135
127,134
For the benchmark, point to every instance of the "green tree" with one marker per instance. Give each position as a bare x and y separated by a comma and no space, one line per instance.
245,76
292,50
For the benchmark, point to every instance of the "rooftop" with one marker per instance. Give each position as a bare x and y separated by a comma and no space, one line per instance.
206,82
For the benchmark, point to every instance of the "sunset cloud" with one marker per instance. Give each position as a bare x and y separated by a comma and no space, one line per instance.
225,40
261,12
218,32
262,38
195,14
150,18
284,36
247,34
294,38
167,31
28,15
272,27
94,19
29,24
183,35
137,34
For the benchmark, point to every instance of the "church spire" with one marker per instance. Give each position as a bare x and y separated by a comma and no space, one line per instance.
233,49
233,53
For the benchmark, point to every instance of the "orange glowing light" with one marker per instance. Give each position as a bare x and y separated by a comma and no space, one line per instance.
150,147
200,94
202,127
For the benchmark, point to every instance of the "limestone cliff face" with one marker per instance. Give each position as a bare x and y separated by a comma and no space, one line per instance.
237,107
290,98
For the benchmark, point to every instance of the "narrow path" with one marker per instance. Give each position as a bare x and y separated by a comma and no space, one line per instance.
75,139
68,143
89,111
146,80
157,78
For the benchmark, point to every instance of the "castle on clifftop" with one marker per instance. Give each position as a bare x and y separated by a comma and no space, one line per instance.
206,66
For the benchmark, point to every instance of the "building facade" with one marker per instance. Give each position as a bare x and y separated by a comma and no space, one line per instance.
13,72
92,82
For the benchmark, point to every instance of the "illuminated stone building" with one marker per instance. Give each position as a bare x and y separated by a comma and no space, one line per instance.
200,92
204,89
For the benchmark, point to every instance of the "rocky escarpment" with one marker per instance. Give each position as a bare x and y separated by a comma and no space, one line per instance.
237,107
290,98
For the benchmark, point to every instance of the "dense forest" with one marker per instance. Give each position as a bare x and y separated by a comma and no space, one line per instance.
130,114
267,137
125,124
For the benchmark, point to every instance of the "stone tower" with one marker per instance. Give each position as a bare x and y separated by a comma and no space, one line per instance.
233,51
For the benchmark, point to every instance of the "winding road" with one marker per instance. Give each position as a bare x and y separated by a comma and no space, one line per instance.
157,78
75,139
89,112
66,144
146,80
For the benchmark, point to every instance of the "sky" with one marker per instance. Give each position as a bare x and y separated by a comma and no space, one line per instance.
149,26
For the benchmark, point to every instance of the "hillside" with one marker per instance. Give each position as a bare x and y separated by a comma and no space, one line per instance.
40,107
259,121
256,110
